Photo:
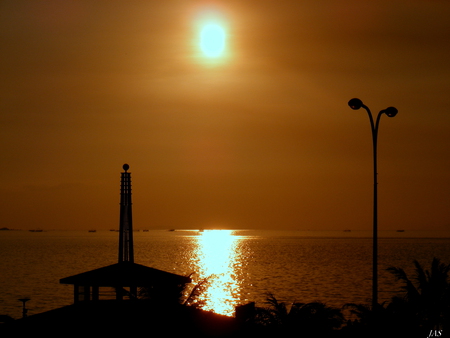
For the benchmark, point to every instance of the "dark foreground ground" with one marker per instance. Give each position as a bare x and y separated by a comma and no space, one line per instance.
148,319
128,318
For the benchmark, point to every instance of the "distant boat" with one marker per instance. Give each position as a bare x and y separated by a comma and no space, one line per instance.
112,229
36,230
92,230
171,229
400,230
347,230
145,230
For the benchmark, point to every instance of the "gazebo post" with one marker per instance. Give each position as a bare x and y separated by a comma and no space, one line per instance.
95,292
76,293
87,292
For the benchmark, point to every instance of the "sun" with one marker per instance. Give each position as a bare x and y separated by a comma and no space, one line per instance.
212,40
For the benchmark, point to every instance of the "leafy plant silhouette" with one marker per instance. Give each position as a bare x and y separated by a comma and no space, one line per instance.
426,298
314,318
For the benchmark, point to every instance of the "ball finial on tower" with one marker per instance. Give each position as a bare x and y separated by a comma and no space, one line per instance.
126,167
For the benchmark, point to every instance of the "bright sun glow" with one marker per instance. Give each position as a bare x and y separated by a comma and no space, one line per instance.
212,40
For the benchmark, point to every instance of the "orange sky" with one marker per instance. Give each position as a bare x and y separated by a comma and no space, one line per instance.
262,138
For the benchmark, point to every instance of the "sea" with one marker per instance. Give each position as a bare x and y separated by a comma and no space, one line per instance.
235,266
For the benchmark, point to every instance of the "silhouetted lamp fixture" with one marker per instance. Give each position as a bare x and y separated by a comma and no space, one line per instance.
24,309
356,104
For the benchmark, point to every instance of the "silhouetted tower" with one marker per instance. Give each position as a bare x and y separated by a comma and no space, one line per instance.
126,253
125,276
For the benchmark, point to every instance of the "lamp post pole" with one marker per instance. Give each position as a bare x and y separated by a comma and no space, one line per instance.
24,309
391,112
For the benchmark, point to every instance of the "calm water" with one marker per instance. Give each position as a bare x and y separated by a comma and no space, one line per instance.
242,266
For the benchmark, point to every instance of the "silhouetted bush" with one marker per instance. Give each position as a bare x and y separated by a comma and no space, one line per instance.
300,319
425,302
422,307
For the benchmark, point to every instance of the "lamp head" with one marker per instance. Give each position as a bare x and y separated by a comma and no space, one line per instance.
390,111
355,104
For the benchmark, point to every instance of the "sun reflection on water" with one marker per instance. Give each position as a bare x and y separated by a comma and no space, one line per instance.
216,258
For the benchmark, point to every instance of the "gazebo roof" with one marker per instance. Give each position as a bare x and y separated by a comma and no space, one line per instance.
125,274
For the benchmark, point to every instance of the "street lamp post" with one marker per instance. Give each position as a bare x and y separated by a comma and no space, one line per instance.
24,309
391,112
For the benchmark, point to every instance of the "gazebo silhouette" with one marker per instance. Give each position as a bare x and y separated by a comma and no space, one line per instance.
125,277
